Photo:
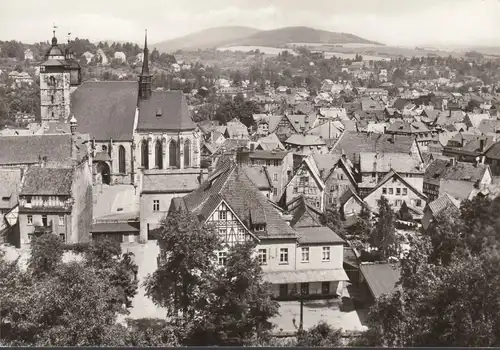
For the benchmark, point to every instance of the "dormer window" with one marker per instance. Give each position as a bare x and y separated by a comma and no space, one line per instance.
28,200
260,227
159,112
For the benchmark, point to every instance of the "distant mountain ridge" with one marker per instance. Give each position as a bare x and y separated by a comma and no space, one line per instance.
239,36
206,39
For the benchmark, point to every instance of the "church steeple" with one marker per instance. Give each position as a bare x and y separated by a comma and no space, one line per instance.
145,77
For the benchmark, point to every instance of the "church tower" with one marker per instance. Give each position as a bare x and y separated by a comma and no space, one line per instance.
145,77
54,86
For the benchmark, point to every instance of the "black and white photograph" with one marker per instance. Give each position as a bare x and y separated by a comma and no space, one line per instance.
250,173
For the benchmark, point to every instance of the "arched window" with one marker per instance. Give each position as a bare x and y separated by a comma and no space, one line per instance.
144,154
159,154
187,153
121,160
51,98
172,154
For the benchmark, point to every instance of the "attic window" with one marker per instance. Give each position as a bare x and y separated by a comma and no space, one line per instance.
6,198
260,227
159,112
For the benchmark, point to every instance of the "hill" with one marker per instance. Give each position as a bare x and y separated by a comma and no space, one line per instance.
206,39
283,36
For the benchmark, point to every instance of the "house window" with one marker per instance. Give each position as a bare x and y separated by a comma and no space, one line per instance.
62,237
283,255
121,160
304,179
304,288
390,190
222,258
275,177
30,220
373,175
61,220
275,191
398,191
263,256
384,190
156,205
45,222
295,190
418,202
222,215
326,254
222,231
325,288
28,200
405,191
305,254
260,227
398,202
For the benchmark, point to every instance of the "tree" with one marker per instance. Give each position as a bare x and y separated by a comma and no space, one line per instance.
186,265
321,335
333,219
46,254
384,233
241,304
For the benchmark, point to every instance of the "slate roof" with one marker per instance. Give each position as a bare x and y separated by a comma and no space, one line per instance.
10,183
317,235
381,278
170,182
446,204
47,182
236,129
165,110
230,183
303,214
27,149
405,127
268,154
327,130
325,162
270,142
105,109
353,143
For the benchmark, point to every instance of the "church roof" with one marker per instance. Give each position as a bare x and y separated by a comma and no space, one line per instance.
105,109
165,111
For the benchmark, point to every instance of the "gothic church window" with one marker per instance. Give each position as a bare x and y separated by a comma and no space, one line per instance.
52,99
159,154
187,153
121,160
172,154
144,154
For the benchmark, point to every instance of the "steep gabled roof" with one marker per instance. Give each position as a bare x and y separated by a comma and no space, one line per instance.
389,176
47,182
230,183
303,214
105,109
165,110
446,204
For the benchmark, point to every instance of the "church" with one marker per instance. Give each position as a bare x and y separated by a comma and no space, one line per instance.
132,128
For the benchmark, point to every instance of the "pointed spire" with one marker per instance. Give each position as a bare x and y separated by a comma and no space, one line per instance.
145,62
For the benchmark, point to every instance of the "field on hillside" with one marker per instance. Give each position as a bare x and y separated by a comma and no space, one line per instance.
264,49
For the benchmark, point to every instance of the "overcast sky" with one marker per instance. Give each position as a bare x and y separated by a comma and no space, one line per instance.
393,22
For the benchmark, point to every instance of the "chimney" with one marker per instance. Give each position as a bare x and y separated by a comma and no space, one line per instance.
482,144
201,177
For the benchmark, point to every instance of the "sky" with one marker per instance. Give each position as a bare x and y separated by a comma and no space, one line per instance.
392,22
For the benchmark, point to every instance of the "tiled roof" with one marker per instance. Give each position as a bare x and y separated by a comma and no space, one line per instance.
384,162
381,278
270,142
325,162
391,174
119,227
443,169
315,235
257,174
236,129
10,183
352,143
105,109
327,130
305,140
494,151
168,182
401,126
165,110
475,119
268,154
370,105
303,214
47,182
30,149
274,121
445,202
231,184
